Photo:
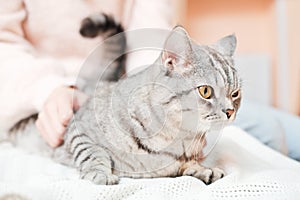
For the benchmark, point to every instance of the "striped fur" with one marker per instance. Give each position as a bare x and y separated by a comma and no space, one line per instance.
106,26
113,136
155,123
24,133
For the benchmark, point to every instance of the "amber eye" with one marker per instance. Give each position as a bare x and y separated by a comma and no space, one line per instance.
205,91
235,94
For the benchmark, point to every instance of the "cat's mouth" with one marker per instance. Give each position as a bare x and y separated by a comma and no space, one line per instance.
213,117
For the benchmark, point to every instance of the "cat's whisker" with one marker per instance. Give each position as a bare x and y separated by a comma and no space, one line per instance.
203,143
198,150
200,145
195,144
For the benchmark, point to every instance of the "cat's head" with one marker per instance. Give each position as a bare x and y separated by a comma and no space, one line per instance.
206,70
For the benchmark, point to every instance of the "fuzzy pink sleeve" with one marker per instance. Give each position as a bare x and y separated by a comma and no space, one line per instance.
149,14
26,79
139,14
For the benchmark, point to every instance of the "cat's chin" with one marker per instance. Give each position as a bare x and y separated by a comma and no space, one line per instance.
217,123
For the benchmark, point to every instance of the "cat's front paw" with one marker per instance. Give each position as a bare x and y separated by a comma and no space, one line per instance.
100,178
207,175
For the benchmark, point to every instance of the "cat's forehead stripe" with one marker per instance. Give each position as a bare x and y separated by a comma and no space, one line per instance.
216,65
224,65
226,70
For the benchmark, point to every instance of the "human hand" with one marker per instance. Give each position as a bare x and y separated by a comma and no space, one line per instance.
57,112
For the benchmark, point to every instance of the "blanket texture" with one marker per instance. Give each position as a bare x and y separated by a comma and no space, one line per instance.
254,171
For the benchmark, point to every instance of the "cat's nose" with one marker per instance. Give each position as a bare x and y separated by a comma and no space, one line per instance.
228,112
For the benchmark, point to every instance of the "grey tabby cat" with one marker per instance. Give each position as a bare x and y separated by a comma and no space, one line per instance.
154,123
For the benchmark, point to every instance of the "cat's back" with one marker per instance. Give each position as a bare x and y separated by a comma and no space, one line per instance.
95,114
99,101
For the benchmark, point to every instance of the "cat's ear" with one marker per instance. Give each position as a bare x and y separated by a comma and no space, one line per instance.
226,45
177,51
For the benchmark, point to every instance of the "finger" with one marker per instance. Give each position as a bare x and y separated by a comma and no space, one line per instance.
51,110
47,131
42,131
53,138
65,109
79,99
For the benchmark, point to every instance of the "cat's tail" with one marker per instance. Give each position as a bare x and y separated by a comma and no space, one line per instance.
13,133
115,44
100,24
25,135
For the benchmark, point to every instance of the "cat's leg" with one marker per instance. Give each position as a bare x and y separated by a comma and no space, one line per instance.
207,175
61,155
94,164
92,161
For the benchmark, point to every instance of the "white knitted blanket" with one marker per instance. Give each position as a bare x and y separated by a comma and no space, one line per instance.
254,172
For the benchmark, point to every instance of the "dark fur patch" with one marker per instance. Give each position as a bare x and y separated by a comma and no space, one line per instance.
21,125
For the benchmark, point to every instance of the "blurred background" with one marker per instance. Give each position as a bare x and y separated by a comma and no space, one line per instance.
268,51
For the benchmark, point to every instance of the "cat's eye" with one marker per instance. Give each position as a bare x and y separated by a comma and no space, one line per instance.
205,91
236,94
